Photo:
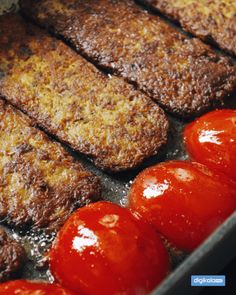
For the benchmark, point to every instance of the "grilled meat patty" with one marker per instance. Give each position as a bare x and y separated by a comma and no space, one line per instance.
211,20
12,256
40,184
100,116
184,75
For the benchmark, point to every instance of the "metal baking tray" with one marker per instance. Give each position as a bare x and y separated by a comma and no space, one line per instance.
209,258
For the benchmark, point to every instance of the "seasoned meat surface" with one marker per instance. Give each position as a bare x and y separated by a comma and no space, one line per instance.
211,20
40,184
100,116
12,256
183,75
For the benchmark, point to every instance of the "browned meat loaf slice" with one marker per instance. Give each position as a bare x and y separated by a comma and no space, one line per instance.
40,185
12,256
211,20
104,118
184,75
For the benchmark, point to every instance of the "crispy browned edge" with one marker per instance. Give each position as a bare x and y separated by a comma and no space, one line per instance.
48,206
197,25
150,140
213,76
12,256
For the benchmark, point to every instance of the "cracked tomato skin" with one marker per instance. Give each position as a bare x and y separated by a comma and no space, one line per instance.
24,287
211,140
104,249
184,201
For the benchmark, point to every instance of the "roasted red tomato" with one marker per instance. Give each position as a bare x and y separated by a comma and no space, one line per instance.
211,140
21,287
184,201
104,249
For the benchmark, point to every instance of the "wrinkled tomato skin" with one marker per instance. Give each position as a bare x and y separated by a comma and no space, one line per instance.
21,287
211,140
184,201
104,249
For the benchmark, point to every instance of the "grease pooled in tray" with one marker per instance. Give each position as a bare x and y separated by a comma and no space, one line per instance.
115,189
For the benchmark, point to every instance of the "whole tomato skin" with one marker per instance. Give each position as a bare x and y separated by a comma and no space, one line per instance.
184,201
211,140
103,249
24,287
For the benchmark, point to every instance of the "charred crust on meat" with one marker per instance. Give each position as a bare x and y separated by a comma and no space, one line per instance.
184,75
40,184
103,117
12,256
212,21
